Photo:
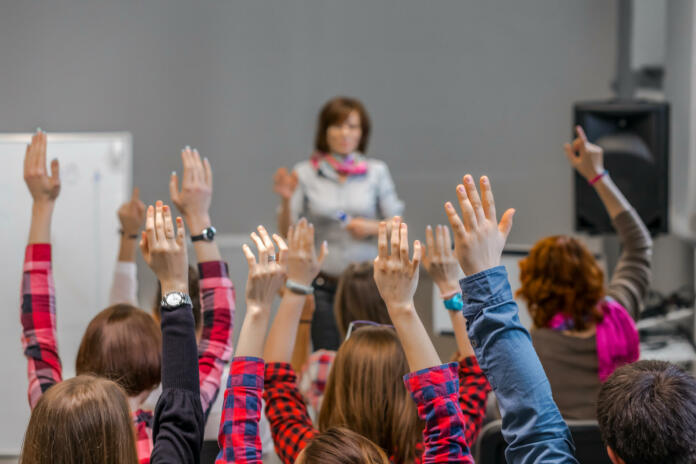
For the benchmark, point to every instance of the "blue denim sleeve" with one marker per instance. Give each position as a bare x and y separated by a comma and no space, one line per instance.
532,425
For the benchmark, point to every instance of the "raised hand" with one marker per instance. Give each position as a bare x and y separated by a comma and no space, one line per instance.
284,183
193,200
43,188
361,228
396,274
268,274
478,238
439,260
164,248
131,214
303,262
587,158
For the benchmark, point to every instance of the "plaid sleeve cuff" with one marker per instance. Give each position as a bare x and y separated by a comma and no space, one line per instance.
427,384
37,255
279,372
246,371
470,366
214,274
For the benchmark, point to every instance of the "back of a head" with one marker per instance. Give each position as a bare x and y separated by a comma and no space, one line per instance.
365,393
84,419
357,297
560,275
647,413
122,343
339,445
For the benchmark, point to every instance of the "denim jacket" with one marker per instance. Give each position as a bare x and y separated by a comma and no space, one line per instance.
532,425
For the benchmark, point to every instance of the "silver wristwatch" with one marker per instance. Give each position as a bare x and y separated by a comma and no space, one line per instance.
174,300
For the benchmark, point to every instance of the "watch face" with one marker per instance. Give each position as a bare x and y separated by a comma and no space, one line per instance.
174,299
210,233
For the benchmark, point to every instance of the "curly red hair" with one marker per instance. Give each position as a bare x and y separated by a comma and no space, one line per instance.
561,276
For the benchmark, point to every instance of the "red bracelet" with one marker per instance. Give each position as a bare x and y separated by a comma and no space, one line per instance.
598,176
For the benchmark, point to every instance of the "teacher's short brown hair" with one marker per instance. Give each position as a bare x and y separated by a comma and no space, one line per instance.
336,111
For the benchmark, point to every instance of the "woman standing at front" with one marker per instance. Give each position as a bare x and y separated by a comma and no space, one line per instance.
345,195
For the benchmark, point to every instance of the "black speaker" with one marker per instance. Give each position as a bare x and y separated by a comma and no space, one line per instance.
634,136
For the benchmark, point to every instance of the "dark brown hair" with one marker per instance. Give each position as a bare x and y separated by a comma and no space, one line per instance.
561,276
84,419
194,293
647,413
336,111
357,297
339,445
122,343
365,393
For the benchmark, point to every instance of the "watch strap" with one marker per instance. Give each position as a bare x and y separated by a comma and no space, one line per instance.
300,289
185,300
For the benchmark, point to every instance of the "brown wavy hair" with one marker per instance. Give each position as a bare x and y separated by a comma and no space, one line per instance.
124,344
84,419
357,297
339,445
365,393
561,276
336,111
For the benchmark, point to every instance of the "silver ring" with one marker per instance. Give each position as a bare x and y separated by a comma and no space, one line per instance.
271,258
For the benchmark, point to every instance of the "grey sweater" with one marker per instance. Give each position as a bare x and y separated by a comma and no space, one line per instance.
571,362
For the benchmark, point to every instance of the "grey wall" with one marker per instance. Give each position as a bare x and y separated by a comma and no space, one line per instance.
452,86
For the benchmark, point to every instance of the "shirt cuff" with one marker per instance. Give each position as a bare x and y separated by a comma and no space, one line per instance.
279,372
246,371
37,256
485,289
128,268
427,384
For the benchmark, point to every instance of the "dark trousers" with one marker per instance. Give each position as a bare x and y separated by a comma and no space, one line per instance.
324,329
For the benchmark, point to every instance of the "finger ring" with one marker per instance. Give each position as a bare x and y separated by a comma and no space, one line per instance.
271,258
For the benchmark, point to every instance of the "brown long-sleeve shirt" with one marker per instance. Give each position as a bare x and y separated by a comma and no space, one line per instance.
571,362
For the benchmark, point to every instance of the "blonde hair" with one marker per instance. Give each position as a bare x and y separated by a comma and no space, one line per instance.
365,393
85,419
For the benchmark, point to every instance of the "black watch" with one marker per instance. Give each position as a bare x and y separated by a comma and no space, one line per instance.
208,234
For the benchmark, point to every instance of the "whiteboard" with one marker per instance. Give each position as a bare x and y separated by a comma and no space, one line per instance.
95,172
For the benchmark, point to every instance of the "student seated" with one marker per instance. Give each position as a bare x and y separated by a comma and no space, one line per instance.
433,387
647,414
582,330
121,343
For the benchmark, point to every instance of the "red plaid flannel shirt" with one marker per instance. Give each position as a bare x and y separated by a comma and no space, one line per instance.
239,425
292,427
38,317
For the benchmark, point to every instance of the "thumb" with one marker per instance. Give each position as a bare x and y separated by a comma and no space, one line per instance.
569,153
505,224
323,252
55,170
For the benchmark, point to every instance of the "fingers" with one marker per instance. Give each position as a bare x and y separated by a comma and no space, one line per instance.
323,252
417,252
180,232
468,216
55,171
249,255
168,224
430,242
301,234
570,154
292,239
282,249
198,170
187,161
382,241
448,241
27,159
150,226
581,133
159,222
487,199
395,236
144,247
208,172
174,187
403,245
263,254
454,220
439,241
506,222
310,238
41,137
474,198
265,237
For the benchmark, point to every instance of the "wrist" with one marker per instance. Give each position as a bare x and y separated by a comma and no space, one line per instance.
401,307
448,288
601,176
196,223
169,286
42,206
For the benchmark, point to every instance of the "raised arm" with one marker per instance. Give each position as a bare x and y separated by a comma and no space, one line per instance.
631,277
38,311
434,387
177,431
284,184
239,425
217,291
124,287
532,425
443,267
